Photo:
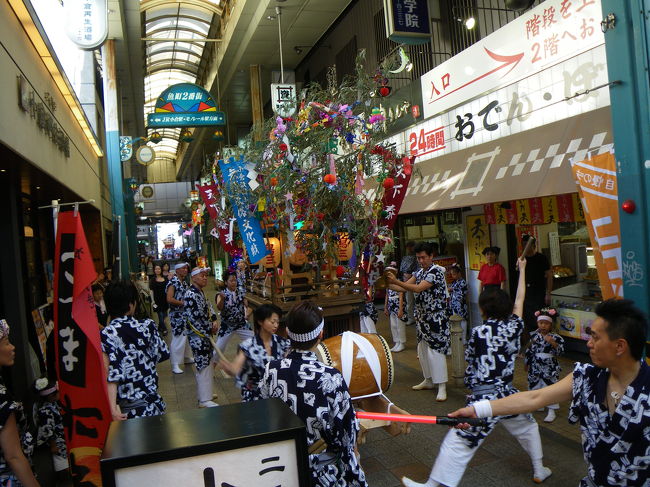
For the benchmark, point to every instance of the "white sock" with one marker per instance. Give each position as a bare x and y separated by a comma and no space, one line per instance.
442,389
410,483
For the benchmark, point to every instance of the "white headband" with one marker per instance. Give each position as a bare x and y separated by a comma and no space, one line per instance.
545,318
198,270
181,265
307,337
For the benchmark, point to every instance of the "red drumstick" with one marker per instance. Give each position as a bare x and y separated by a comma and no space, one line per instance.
414,418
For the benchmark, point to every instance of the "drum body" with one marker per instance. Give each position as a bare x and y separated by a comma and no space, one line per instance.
362,380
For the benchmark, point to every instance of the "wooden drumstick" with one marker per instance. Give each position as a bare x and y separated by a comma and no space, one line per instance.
529,244
414,418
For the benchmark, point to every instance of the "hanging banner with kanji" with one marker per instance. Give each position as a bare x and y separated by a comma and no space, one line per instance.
596,180
79,360
209,194
394,196
235,177
478,237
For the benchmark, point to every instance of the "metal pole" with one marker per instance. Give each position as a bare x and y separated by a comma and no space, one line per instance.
628,45
111,122
277,11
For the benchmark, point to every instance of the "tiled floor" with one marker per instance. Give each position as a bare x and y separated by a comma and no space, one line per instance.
500,462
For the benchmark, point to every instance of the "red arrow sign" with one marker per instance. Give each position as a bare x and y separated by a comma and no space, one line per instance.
506,60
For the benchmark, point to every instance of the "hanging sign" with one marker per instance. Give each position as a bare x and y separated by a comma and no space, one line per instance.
235,176
145,155
185,105
283,99
596,180
478,237
126,148
86,22
407,21
209,195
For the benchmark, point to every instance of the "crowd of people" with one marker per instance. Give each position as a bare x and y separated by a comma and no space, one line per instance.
609,398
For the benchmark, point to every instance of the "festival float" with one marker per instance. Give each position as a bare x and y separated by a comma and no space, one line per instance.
313,198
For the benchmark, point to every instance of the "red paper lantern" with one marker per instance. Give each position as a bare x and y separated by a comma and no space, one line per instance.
329,178
283,147
389,183
274,181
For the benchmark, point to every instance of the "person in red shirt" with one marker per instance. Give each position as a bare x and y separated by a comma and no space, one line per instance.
492,274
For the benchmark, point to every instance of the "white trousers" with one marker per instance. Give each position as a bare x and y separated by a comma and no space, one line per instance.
398,329
242,333
179,348
434,364
367,325
454,453
204,383
463,325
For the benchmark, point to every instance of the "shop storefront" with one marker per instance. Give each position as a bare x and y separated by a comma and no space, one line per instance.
501,163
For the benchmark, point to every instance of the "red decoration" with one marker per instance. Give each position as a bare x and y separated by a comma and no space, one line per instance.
389,183
274,181
629,206
384,90
340,271
408,166
283,147
320,216
329,178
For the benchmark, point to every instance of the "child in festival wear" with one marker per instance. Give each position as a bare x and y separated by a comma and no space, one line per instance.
368,314
394,309
256,352
458,297
50,424
541,356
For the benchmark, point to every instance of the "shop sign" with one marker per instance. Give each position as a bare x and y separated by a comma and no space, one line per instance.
86,22
478,237
536,211
553,31
185,105
344,247
407,21
544,98
42,112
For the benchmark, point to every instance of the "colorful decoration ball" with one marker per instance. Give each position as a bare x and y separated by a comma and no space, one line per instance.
274,181
283,147
329,178
389,183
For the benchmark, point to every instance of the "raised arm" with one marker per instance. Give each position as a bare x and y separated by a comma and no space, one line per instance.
518,308
397,285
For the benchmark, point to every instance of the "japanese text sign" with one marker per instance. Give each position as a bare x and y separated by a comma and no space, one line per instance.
86,22
553,31
235,178
596,180
406,19
209,195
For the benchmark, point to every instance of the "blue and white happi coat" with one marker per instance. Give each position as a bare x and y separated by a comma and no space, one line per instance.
199,313
233,314
541,358
134,349
50,427
458,298
319,396
490,354
393,304
616,446
431,313
256,359
7,407
176,318
370,310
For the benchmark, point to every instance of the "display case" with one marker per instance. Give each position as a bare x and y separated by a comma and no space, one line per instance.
575,305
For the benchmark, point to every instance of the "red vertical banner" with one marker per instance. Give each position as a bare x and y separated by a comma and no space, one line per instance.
565,207
536,211
79,360
490,214
511,213
394,196
209,195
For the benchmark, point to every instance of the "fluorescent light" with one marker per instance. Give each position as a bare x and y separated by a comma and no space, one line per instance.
470,23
